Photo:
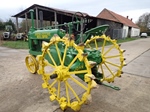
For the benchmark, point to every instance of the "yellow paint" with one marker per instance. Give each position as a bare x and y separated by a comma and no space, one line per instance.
31,64
64,76
42,35
105,55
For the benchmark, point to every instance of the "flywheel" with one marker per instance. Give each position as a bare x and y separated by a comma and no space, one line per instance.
112,59
60,64
31,63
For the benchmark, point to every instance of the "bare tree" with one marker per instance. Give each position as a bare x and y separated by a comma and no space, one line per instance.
144,22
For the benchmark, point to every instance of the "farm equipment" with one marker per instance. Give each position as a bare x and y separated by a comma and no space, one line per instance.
8,35
22,36
72,62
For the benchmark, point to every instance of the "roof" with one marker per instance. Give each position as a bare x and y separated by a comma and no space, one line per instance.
47,10
109,15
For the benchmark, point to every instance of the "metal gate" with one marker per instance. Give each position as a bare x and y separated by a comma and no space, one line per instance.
119,33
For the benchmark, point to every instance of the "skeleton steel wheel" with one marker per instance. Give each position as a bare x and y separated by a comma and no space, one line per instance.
61,61
31,63
111,56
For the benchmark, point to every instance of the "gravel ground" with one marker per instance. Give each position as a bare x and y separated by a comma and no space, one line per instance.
21,91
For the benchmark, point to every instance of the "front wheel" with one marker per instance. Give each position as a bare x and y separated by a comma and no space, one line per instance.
31,64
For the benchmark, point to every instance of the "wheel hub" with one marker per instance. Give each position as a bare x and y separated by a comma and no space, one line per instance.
62,73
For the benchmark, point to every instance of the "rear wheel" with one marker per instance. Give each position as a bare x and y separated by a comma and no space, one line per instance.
111,54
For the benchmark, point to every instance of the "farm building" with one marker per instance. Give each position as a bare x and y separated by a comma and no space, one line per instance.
52,15
119,26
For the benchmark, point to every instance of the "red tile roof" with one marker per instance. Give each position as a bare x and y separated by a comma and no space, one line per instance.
109,15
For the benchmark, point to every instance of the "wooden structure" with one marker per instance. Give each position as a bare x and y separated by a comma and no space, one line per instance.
119,26
52,15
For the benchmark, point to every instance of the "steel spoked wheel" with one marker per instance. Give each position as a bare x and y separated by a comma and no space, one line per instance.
31,63
61,61
111,55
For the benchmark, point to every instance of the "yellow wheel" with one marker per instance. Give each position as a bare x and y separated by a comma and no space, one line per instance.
59,73
111,55
31,63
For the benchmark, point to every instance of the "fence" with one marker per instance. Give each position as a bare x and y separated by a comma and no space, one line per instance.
119,33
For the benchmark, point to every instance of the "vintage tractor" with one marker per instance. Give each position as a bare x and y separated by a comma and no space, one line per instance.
8,34
72,62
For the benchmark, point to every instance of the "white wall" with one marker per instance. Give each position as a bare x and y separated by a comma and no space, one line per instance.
125,31
135,32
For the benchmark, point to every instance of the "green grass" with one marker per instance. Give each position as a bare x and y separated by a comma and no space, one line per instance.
15,44
127,39
24,45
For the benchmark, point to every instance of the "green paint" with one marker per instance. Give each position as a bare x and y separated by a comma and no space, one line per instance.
36,36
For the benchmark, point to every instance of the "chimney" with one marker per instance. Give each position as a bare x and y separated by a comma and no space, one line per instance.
131,19
127,17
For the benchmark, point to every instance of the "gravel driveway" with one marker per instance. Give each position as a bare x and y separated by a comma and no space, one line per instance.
21,91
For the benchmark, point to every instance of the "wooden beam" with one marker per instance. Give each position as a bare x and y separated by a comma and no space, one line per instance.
55,15
17,25
26,18
37,20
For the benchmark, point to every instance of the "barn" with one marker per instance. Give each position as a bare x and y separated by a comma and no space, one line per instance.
119,26
52,15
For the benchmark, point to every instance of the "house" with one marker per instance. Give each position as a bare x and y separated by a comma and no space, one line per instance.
120,27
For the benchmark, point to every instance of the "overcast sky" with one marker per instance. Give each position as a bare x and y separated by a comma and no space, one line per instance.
132,8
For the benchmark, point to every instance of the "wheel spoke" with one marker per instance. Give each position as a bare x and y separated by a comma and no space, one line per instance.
75,94
78,72
65,51
47,63
58,52
114,56
96,44
79,83
109,69
112,64
102,71
58,92
109,49
89,46
67,93
72,61
53,83
51,58
104,42
31,64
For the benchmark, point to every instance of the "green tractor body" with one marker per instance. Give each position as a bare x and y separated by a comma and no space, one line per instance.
36,37
69,52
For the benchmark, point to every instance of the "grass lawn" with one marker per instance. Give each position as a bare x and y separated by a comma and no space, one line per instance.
127,39
15,44
24,45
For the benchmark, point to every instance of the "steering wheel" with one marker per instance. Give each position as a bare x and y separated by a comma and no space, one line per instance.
75,18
